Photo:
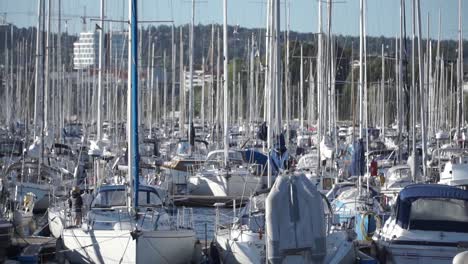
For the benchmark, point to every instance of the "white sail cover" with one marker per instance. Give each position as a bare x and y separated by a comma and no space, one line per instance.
295,221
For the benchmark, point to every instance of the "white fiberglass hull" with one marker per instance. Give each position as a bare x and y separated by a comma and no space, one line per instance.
249,247
219,185
407,254
112,246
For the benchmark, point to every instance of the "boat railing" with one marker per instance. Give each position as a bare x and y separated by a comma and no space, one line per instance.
184,218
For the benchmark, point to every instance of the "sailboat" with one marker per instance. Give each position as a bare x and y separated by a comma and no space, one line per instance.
129,223
223,173
215,180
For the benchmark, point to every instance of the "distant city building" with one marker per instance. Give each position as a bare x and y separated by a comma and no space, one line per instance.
86,50
197,79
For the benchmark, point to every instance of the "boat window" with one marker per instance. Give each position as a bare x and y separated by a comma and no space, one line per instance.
183,148
348,194
107,199
401,174
217,158
439,214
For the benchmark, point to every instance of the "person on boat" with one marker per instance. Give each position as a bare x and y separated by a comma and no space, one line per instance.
76,203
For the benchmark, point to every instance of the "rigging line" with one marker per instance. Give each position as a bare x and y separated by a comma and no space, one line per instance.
123,255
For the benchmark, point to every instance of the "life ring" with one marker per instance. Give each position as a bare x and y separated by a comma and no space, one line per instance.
378,224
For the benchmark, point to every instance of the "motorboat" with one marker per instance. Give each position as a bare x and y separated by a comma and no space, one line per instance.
455,171
394,180
427,225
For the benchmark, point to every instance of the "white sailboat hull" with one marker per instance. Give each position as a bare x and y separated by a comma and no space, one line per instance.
219,185
112,246
248,247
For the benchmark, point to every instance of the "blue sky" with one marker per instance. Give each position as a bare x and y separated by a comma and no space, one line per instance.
383,15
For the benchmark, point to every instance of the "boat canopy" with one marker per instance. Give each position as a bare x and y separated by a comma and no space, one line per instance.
432,207
115,195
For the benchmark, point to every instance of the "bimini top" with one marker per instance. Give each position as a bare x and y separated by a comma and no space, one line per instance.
416,191
432,207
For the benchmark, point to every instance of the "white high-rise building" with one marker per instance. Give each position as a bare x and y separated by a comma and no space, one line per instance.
86,51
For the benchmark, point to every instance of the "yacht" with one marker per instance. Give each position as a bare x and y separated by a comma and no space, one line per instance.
455,171
395,179
427,225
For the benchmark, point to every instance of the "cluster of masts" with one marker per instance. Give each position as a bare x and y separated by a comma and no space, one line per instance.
434,96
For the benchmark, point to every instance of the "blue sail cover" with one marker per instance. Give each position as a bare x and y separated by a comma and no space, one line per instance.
413,192
357,167
279,156
254,156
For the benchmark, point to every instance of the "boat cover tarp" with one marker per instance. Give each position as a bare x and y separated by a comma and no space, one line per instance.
295,219
414,192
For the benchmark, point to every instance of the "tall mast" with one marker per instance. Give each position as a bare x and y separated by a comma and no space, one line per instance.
37,68
301,89
287,81
413,95
202,107
151,90
277,68
268,90
460,65
319,83
132,107
173,70
190,112
400,82
47,70
225,84
251,83
361,68
59,70
99,98
211,93
383,93
181,84
421,89
165,91
218,86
